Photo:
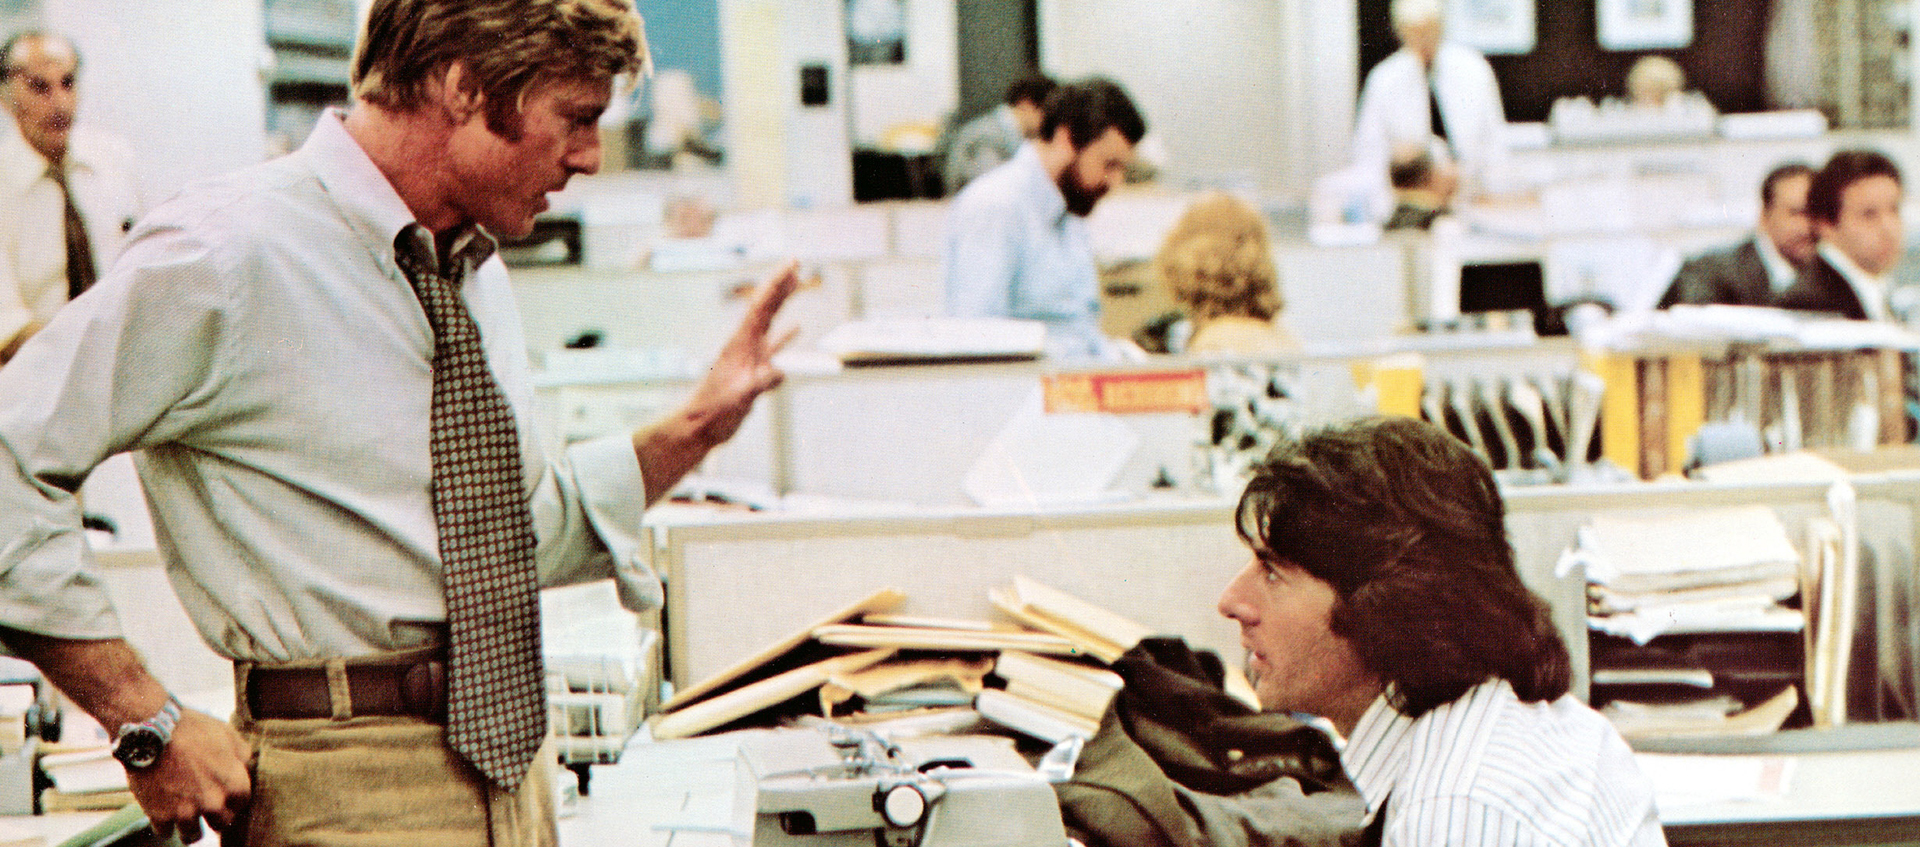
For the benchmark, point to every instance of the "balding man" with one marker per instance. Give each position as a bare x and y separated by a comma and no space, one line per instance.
69,191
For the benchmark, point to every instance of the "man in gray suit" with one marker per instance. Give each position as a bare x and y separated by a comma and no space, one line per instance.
1756,271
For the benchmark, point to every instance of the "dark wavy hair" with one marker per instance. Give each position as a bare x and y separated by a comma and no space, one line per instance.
1089,107
1408,527
1845,168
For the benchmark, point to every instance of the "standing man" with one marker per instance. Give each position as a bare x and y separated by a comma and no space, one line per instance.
1430,92
1855,204
69,192
1017,242
1383,597
1755,272
983,143
319,361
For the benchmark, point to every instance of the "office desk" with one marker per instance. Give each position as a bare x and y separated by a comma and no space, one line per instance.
1845,797
1853,797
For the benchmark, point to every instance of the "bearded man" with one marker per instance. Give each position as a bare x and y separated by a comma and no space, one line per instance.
1017,243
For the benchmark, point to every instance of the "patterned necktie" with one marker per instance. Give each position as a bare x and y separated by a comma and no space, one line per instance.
80,272
496,700
1438,120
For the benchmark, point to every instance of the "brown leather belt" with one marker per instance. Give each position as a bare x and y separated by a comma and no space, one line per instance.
413,689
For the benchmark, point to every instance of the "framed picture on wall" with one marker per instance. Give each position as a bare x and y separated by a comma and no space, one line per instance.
1493,27
1645,24
876,32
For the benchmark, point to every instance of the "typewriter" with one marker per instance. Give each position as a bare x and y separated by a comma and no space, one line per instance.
834,787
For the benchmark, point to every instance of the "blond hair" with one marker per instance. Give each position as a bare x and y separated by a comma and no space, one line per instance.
505,45
1653,79
1217,262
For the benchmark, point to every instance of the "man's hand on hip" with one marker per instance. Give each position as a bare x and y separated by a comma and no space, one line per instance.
202,774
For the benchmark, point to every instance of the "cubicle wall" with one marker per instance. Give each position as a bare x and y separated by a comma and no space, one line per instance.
909,434
735,586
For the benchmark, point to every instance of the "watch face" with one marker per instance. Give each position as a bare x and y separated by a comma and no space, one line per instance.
139,747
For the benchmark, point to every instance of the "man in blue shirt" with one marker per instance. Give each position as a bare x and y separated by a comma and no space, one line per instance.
1017,242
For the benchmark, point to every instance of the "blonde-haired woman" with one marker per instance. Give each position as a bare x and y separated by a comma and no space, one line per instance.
1218,263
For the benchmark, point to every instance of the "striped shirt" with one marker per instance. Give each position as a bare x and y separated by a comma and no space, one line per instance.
1488,769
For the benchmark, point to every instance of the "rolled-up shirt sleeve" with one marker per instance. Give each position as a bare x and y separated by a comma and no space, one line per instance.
125,364
587,512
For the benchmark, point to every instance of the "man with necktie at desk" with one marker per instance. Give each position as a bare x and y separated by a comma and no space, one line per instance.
1756,271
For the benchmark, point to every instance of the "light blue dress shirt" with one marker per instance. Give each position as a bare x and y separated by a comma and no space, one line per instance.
1013,251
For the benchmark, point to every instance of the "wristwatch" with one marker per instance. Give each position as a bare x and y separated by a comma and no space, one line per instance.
139,745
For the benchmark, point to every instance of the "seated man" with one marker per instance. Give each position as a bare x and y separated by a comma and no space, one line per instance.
1017,243
1422,188
1756,271
1855,204
981,144
1382,596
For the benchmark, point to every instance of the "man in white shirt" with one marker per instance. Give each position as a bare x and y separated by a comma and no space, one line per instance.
1756,271
1430,92
319,361
69,191
1383,597
1855,204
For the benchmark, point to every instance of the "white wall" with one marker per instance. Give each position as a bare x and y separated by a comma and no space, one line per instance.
1319,82
924,89
1237,91
180,80
781,153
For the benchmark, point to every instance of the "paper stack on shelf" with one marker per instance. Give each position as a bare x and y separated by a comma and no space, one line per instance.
83,780
1703,570
1048,698
1698,621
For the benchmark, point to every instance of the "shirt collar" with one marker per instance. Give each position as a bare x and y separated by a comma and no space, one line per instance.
1374,756
1038,186
80,152
470,246
368,201
1870,288
1780,272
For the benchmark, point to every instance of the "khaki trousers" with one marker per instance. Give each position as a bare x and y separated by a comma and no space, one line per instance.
381,782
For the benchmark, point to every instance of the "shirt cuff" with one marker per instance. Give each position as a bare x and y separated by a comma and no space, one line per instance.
614,493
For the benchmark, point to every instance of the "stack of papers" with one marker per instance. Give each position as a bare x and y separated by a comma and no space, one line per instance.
1042,674
920,340
1704,570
